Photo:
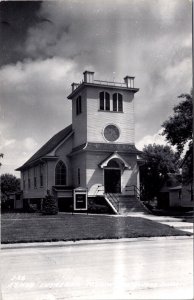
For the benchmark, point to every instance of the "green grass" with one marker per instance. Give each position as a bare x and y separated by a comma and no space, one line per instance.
17,228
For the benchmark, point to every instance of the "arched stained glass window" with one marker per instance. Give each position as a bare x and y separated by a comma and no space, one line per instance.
60,173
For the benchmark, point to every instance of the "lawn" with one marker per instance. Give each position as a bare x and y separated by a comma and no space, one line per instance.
18,227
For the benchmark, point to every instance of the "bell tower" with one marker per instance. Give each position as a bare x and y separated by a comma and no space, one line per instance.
103,111
104,152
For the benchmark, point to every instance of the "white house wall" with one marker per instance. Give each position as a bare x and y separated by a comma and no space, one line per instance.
79,162
95,175
33,192
79,122
97,120
62,153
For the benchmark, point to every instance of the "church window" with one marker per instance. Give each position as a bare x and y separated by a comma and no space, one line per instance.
29,183
60,173
78,105
104,101
35,182
78,176
117,102
41,175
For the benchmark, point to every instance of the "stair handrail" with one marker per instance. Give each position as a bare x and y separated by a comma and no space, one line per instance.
114,200
137,194
98,190
135,189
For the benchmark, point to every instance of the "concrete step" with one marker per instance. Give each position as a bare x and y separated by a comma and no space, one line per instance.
129,204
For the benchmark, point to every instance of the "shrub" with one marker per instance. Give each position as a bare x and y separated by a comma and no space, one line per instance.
49,206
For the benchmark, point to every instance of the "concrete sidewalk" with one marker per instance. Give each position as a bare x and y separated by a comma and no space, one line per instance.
91,242
176,222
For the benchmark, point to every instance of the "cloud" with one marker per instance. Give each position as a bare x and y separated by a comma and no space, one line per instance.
34,102
34,94
15,152
148,39
156,138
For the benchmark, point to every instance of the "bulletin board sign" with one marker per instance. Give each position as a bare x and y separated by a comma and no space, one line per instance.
80,199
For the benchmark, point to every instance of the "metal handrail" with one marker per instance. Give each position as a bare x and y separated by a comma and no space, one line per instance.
133,188
98,190
137,194
114,200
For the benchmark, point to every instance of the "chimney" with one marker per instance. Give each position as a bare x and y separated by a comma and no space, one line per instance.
74,86
129,80
88,76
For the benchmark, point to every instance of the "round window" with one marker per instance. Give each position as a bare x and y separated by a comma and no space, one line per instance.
111,133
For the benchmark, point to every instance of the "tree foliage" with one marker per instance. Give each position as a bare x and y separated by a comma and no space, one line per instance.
159,160
9,184
49,206
178,128
178,131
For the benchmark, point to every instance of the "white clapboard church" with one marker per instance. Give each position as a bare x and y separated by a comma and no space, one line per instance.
96,152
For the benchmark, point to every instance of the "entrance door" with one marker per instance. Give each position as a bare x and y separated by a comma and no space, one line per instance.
112,181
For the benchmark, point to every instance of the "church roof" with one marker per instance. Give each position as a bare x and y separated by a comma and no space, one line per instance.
48,146
107,147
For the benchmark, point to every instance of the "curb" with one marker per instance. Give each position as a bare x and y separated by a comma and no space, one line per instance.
90,242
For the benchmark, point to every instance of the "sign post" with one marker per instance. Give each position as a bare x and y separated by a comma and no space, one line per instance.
80,199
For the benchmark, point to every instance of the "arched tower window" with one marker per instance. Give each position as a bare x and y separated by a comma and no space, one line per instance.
104,101
117,102
60,174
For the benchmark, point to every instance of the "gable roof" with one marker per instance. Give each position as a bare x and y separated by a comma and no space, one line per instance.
48,147
114,155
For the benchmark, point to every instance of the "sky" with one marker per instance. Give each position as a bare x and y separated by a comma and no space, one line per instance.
45,46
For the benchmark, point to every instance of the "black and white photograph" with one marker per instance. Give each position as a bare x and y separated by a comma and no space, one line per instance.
96,149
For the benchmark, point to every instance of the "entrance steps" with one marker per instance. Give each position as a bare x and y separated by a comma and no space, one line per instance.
123,205
128,204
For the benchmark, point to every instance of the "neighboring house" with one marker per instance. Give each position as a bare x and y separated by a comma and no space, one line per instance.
96,152
176,194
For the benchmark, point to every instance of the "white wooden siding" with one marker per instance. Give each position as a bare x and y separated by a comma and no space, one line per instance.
97,120
79,162
79,122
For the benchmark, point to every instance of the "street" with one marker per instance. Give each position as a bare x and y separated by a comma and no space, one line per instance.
149,269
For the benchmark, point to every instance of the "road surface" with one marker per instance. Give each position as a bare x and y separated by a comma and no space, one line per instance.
159,269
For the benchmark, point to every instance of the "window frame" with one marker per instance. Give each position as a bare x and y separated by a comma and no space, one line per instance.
117,102
104,101
59,181
78,105
41,175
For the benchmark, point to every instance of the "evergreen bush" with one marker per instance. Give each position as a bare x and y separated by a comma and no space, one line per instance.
49,206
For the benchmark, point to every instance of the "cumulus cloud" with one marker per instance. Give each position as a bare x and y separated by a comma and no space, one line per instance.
150,39
156,138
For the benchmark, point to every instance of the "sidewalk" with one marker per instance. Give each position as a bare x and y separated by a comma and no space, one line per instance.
176,222
90,242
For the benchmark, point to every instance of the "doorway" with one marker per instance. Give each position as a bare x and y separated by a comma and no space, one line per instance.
112,181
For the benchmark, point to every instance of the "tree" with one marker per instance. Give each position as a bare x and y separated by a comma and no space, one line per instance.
178,128
159,162
178,131
9,184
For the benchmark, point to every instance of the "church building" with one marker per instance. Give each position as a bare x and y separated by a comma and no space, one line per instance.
96,152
